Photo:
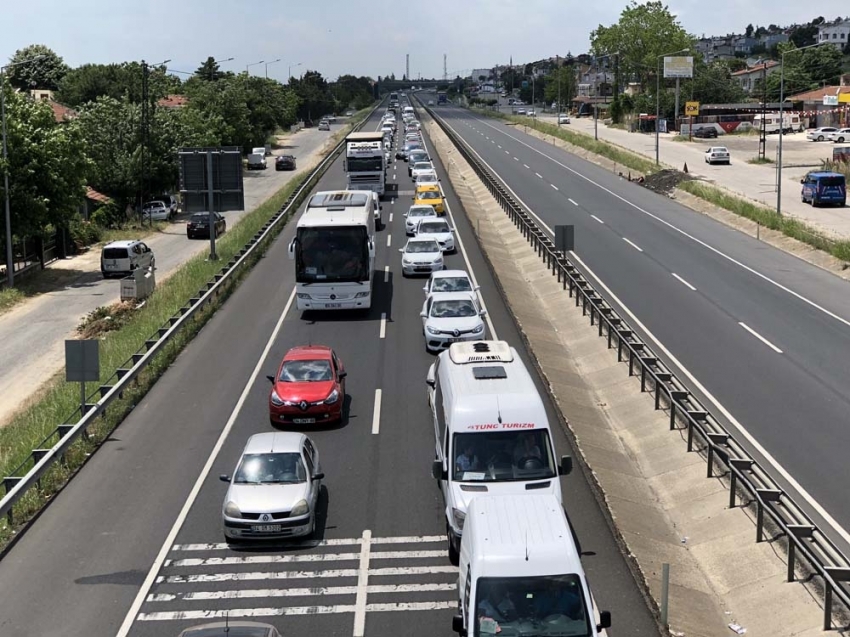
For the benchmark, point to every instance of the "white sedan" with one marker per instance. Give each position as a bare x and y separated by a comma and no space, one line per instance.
451,317
414,215
421,256
427,177
421,167
449,281
718,154
439,230
820,134
840,136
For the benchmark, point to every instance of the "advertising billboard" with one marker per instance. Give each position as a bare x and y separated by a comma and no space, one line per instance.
679,66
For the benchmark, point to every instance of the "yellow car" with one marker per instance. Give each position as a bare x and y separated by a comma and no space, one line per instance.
429,195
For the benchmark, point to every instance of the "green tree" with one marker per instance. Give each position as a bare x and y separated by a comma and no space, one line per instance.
713,84
749,31
209,70
44,73
88,82
351,91
567,79
643,33
315,96
47,167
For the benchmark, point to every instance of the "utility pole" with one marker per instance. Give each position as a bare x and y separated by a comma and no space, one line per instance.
407,67
145,125
763,127
445,72
558,71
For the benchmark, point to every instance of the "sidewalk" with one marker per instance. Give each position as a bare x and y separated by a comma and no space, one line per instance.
751,181
32,335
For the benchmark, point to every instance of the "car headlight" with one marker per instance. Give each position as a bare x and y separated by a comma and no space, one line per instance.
361,295
432,330
438,261
406,261
459,517
232,511
277,401
301,508
330,400
478,329
301,295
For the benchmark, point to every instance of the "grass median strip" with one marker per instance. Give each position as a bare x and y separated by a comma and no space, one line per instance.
58,399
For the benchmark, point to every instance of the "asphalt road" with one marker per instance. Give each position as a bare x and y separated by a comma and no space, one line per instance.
151,495
32,336
765,334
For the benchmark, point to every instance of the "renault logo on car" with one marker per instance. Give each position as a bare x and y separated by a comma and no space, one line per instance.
266,517
456,332
303,404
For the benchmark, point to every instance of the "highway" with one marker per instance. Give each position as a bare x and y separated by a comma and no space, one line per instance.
762,336
133,545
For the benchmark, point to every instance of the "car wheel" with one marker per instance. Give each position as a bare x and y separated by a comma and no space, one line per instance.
814,202
820,138
840,140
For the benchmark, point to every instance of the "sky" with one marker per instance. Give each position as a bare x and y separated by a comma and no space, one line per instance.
361,38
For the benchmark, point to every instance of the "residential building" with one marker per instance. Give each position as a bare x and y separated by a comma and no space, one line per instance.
836,33
770,40
61,113
477,73
743,45
749,77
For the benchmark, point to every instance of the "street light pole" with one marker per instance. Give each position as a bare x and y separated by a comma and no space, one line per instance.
10,257
595,104
782,122
289,71
267,66
247,66
658,101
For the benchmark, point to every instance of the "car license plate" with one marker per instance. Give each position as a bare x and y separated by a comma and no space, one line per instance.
303,421
455,340
333,305
267,528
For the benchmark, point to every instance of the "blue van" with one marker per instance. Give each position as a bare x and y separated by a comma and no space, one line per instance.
824,188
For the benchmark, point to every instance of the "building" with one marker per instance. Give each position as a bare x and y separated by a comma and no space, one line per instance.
770,40
173,101
743,45
61,113
477,73
818,113
748,78
836,33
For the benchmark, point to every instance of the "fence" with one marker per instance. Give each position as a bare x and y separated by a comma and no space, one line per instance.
704,432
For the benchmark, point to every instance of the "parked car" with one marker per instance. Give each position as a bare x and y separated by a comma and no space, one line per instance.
274,488
821,187
257,161
820,134
840,136
563,118
706,132
122,257
198,226
285,162
718,154
309,387
156,211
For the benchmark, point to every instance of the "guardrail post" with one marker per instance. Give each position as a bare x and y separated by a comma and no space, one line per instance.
838,574
9,483
798,531
676,396
762,496
713,439
739,464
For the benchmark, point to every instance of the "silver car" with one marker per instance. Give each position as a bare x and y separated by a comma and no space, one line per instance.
449,281
414,215
450,317
439,230
231,628
274,489
421,256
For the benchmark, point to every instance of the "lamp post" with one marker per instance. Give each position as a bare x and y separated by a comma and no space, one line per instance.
10,274
267,66
658,99
247,66
782,122
595,104
289,72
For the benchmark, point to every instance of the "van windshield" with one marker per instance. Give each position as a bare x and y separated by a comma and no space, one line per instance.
544,605
503,456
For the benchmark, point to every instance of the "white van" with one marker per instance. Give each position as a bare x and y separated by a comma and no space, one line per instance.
491,432
408,110
520,572
122,257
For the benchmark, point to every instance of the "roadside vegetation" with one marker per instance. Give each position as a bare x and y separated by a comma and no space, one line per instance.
58,400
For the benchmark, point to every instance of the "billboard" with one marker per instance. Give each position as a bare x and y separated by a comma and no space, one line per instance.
679,66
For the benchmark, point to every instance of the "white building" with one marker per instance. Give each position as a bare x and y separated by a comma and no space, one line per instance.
477,73
837,33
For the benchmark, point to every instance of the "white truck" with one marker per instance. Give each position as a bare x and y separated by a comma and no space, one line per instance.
334,251
365,162
792,122
257,158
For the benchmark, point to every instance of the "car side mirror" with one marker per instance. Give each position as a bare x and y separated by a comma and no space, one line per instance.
482,313
423,314
401,249
457,625
271,378
343,374
802,181
437,471
224,477
431,378
604,620
318,476
477,287
566,467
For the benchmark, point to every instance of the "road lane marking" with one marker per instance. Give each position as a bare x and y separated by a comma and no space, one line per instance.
760,337
500,146
539,175
391,218
598,219
554,186
295,610
402,539
693,289
363,576
527,166
516,158
389,240
263,593
572,202
386,274
160,559
376,413
634,245
507,152
383,325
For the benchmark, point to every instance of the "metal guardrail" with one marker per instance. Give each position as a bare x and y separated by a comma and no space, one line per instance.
704,432
28,474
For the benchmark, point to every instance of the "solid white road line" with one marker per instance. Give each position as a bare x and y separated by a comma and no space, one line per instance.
363,577
253,576
634,245
693,289
410,606
554,186
413,570
202,478
389,240
279,611
383,325
352,541
598,219
376,413
386,274
572,202
760,337
636,322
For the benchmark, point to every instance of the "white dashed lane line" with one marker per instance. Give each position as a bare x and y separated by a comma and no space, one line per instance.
539,175
598,219
572,202
527,166
634,245
760,337
554,186
685,283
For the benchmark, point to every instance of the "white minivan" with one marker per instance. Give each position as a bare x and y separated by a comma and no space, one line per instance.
491,432
120,258
520,571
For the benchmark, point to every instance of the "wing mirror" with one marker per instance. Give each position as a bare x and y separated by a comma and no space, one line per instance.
482,313
271,378
343,374
401,249
457,625
566,467
437,471
224,477
423,314
318,476
431,378
604,620
802,181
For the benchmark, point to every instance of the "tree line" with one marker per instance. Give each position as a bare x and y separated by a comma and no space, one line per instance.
100,143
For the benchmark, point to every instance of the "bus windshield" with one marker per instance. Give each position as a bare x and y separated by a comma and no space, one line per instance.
331,254
502,456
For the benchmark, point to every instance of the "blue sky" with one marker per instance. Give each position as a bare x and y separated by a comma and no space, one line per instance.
335,37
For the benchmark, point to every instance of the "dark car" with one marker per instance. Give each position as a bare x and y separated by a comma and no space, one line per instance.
285,162
198,226
708,132
231,628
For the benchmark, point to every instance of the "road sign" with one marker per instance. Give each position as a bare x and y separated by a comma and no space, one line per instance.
565,240
691,109
830,100
82,362
227,189
682,66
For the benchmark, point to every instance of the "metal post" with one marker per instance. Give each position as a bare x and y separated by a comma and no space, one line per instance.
10,257
82,398
781,135
657,108
211,205
665,593
676,111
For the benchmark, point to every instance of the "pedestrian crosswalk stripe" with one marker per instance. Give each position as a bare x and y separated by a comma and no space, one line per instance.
297,592
222,546
285,559
201,578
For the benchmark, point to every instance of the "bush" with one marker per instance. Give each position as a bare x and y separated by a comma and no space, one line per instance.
84,233
108,216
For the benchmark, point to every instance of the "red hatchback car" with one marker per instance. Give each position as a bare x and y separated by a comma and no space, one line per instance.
309,387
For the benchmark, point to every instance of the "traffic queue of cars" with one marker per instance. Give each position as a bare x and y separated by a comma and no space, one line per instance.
494,458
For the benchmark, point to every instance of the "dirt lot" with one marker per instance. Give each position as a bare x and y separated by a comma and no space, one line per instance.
797,151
